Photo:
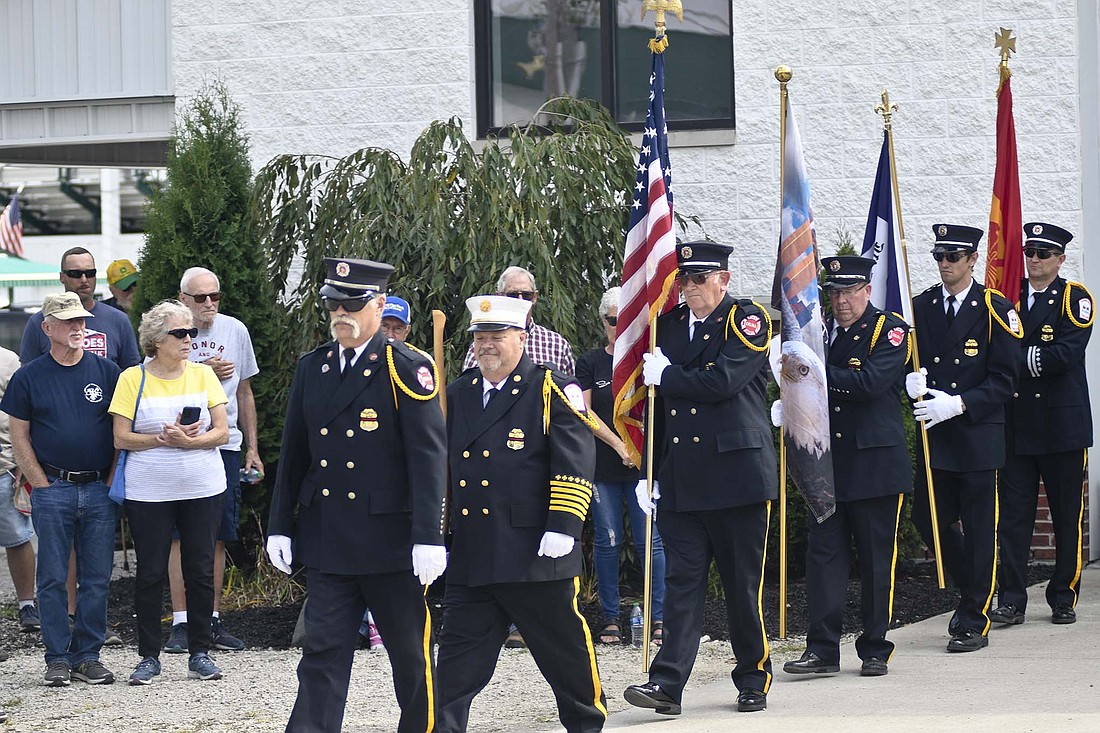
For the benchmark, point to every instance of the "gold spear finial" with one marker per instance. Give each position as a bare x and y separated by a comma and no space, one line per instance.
886,108
660,42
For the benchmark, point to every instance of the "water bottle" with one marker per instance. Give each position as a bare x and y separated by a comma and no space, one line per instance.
636,623
251,476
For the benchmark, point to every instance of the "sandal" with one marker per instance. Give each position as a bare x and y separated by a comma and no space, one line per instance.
658,635
611,634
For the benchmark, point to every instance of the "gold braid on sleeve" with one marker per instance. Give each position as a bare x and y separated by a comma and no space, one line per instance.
741,336
395,379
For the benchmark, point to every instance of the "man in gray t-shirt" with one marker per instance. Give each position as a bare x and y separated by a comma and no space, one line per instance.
223,344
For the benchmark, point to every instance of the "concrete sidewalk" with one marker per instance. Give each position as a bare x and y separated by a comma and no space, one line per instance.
1032,677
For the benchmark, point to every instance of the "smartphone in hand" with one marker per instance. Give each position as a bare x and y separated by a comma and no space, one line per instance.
189,416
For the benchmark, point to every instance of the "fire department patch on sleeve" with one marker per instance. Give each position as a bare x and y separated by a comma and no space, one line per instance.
1013,320
576,397
750,325
1084,309
424,376
896,336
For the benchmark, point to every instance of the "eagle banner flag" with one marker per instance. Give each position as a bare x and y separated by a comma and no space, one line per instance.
881,243
797,296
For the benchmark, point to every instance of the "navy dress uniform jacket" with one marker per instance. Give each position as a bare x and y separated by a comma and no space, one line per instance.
1050,411
512,480
865,372
711,425
977,358
362,470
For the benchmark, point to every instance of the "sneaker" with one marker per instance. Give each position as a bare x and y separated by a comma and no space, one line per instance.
375,639
177,640
57,675
202,667
145,671
220,638
111,638
515,640
93,672
28,618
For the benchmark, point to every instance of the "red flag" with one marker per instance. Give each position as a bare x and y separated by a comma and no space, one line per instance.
649,267
1004,264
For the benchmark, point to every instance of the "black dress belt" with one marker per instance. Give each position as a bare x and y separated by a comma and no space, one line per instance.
73,477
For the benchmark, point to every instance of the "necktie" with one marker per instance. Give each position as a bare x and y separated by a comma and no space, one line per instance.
950,310
840,331
349,357
490,395
1034,297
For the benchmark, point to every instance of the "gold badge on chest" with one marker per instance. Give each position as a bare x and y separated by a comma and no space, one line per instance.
368,420
970,348
515,439
1047,332
855,363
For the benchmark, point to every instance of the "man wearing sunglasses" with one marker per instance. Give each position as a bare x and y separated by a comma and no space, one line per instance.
715,466
1049,428
359,500
112,337
968,341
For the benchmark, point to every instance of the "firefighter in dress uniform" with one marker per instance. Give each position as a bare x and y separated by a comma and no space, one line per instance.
522,456
1049,427
359,500
716,475
872,472
968,340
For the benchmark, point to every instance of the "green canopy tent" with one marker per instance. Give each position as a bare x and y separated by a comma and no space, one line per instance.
15,271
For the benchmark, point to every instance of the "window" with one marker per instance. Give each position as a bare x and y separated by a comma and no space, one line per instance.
529,51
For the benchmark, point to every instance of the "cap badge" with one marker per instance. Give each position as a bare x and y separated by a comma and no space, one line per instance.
485,306
942,231
685,253
342,269
368,420
835,265
515,439
1037,229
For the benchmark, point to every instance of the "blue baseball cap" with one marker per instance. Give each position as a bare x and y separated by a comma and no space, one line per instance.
396,308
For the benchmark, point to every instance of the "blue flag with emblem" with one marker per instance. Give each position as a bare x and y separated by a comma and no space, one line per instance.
881,243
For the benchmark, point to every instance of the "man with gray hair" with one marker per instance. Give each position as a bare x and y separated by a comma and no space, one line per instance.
223,344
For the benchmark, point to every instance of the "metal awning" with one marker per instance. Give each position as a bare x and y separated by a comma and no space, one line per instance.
16,272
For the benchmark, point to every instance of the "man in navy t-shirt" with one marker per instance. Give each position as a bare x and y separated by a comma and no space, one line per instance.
63,442
110,335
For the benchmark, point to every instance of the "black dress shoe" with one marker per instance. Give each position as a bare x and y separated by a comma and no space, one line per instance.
810,663
873,667
953,625
749,701
1007,614
650,695
1063,613
967,641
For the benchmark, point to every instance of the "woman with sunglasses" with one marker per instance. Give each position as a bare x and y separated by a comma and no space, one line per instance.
616,476
169,413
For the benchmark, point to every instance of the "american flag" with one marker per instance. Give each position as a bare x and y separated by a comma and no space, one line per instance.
11,228
649,266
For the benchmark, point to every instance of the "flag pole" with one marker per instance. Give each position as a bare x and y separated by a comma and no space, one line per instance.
783,75
886,109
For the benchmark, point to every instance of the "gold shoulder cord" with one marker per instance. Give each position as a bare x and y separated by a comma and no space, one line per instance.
1069,311
993,313
395,380
877,333
741,336
548,385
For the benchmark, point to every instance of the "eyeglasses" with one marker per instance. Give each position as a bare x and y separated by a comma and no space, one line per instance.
1043,254
351,305
699,278
76,274
949,256
201,297
522,294
612,320
183,333
847,292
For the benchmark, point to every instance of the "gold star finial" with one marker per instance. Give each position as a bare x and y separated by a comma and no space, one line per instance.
1006,42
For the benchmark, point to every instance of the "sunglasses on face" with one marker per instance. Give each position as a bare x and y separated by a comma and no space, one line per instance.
694,278
612,320
76,274
183,333
1043,254
522,294
201,297
949,256
351,305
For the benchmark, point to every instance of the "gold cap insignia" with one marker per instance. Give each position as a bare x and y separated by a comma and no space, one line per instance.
485,306
685,252
942,230
1037,229
342,269
835,265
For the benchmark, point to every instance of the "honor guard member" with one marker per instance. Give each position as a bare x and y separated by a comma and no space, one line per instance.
522,455
715,471
359,498
1049,427
872,472
968,340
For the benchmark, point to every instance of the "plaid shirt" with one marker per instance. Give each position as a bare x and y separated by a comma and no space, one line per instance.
543,347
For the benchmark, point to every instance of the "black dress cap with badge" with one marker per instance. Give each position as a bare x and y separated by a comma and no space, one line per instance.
700,257
846,270
348,279
1046,236
956,238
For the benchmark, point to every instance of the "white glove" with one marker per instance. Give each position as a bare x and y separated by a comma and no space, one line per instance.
647,504
777,413
556,544
429,562
654,365
279,552
937,408
916,383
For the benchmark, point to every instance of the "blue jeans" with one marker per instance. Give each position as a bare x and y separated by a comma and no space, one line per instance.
65,516
608,518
